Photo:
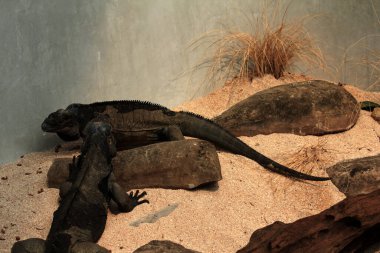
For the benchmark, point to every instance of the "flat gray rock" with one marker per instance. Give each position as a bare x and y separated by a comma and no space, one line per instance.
163,247
184,164
305,108
357,176
152,218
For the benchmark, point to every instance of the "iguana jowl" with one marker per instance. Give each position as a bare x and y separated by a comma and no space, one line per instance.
80,219
137,123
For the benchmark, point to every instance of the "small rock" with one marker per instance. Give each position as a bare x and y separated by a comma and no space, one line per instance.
40,191
376,114
28,173
2,231
19,164
4,178
2,238
356,176
156,246
18,238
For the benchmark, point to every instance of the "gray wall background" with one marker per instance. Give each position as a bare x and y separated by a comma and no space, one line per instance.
55,52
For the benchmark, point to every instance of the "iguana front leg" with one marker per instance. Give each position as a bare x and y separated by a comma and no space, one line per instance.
173,133
66,186
121,201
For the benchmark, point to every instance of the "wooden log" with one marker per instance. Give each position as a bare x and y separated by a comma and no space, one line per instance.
352,225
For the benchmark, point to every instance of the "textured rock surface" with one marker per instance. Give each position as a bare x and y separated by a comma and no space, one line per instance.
356,176
376,114
177,164
163,247
304,108
352,225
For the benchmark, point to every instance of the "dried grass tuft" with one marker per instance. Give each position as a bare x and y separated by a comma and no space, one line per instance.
268,49
373,64
311,159
368,62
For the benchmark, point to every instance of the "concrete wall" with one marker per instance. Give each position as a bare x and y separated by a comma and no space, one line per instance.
55,52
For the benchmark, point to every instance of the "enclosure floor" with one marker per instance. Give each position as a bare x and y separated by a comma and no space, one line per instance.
219,219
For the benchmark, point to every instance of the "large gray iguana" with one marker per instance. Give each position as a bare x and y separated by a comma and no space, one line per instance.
137,123
80,219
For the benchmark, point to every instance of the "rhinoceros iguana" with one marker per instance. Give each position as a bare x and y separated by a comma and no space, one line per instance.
137,123
81,216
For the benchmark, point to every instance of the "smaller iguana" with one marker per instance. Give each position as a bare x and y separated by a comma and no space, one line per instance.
138,123
80,219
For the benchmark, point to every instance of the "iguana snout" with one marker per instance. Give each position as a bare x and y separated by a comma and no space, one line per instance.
57,121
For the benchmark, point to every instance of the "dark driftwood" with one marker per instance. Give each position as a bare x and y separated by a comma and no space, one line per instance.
352,225
357,176
163,247
305,108
178,164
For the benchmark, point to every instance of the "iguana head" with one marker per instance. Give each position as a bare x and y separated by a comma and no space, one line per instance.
64,123
99,133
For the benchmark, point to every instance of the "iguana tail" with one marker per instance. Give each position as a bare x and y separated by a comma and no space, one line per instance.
196,126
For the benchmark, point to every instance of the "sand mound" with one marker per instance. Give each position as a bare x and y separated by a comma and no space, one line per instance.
218,219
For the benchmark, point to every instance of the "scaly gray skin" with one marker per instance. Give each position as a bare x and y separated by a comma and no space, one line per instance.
80,219
137,123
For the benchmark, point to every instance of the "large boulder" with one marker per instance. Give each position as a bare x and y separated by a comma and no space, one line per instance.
356,176
182,164
305,108
352,225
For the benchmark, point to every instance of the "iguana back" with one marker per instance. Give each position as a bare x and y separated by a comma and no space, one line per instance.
82,213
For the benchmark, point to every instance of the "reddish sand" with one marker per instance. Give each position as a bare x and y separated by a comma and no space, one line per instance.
219,220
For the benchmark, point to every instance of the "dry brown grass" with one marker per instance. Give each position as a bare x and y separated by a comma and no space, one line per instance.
373,64
311,159
368,62
268,49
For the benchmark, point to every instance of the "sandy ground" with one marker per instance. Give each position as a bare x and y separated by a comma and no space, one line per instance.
219,219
